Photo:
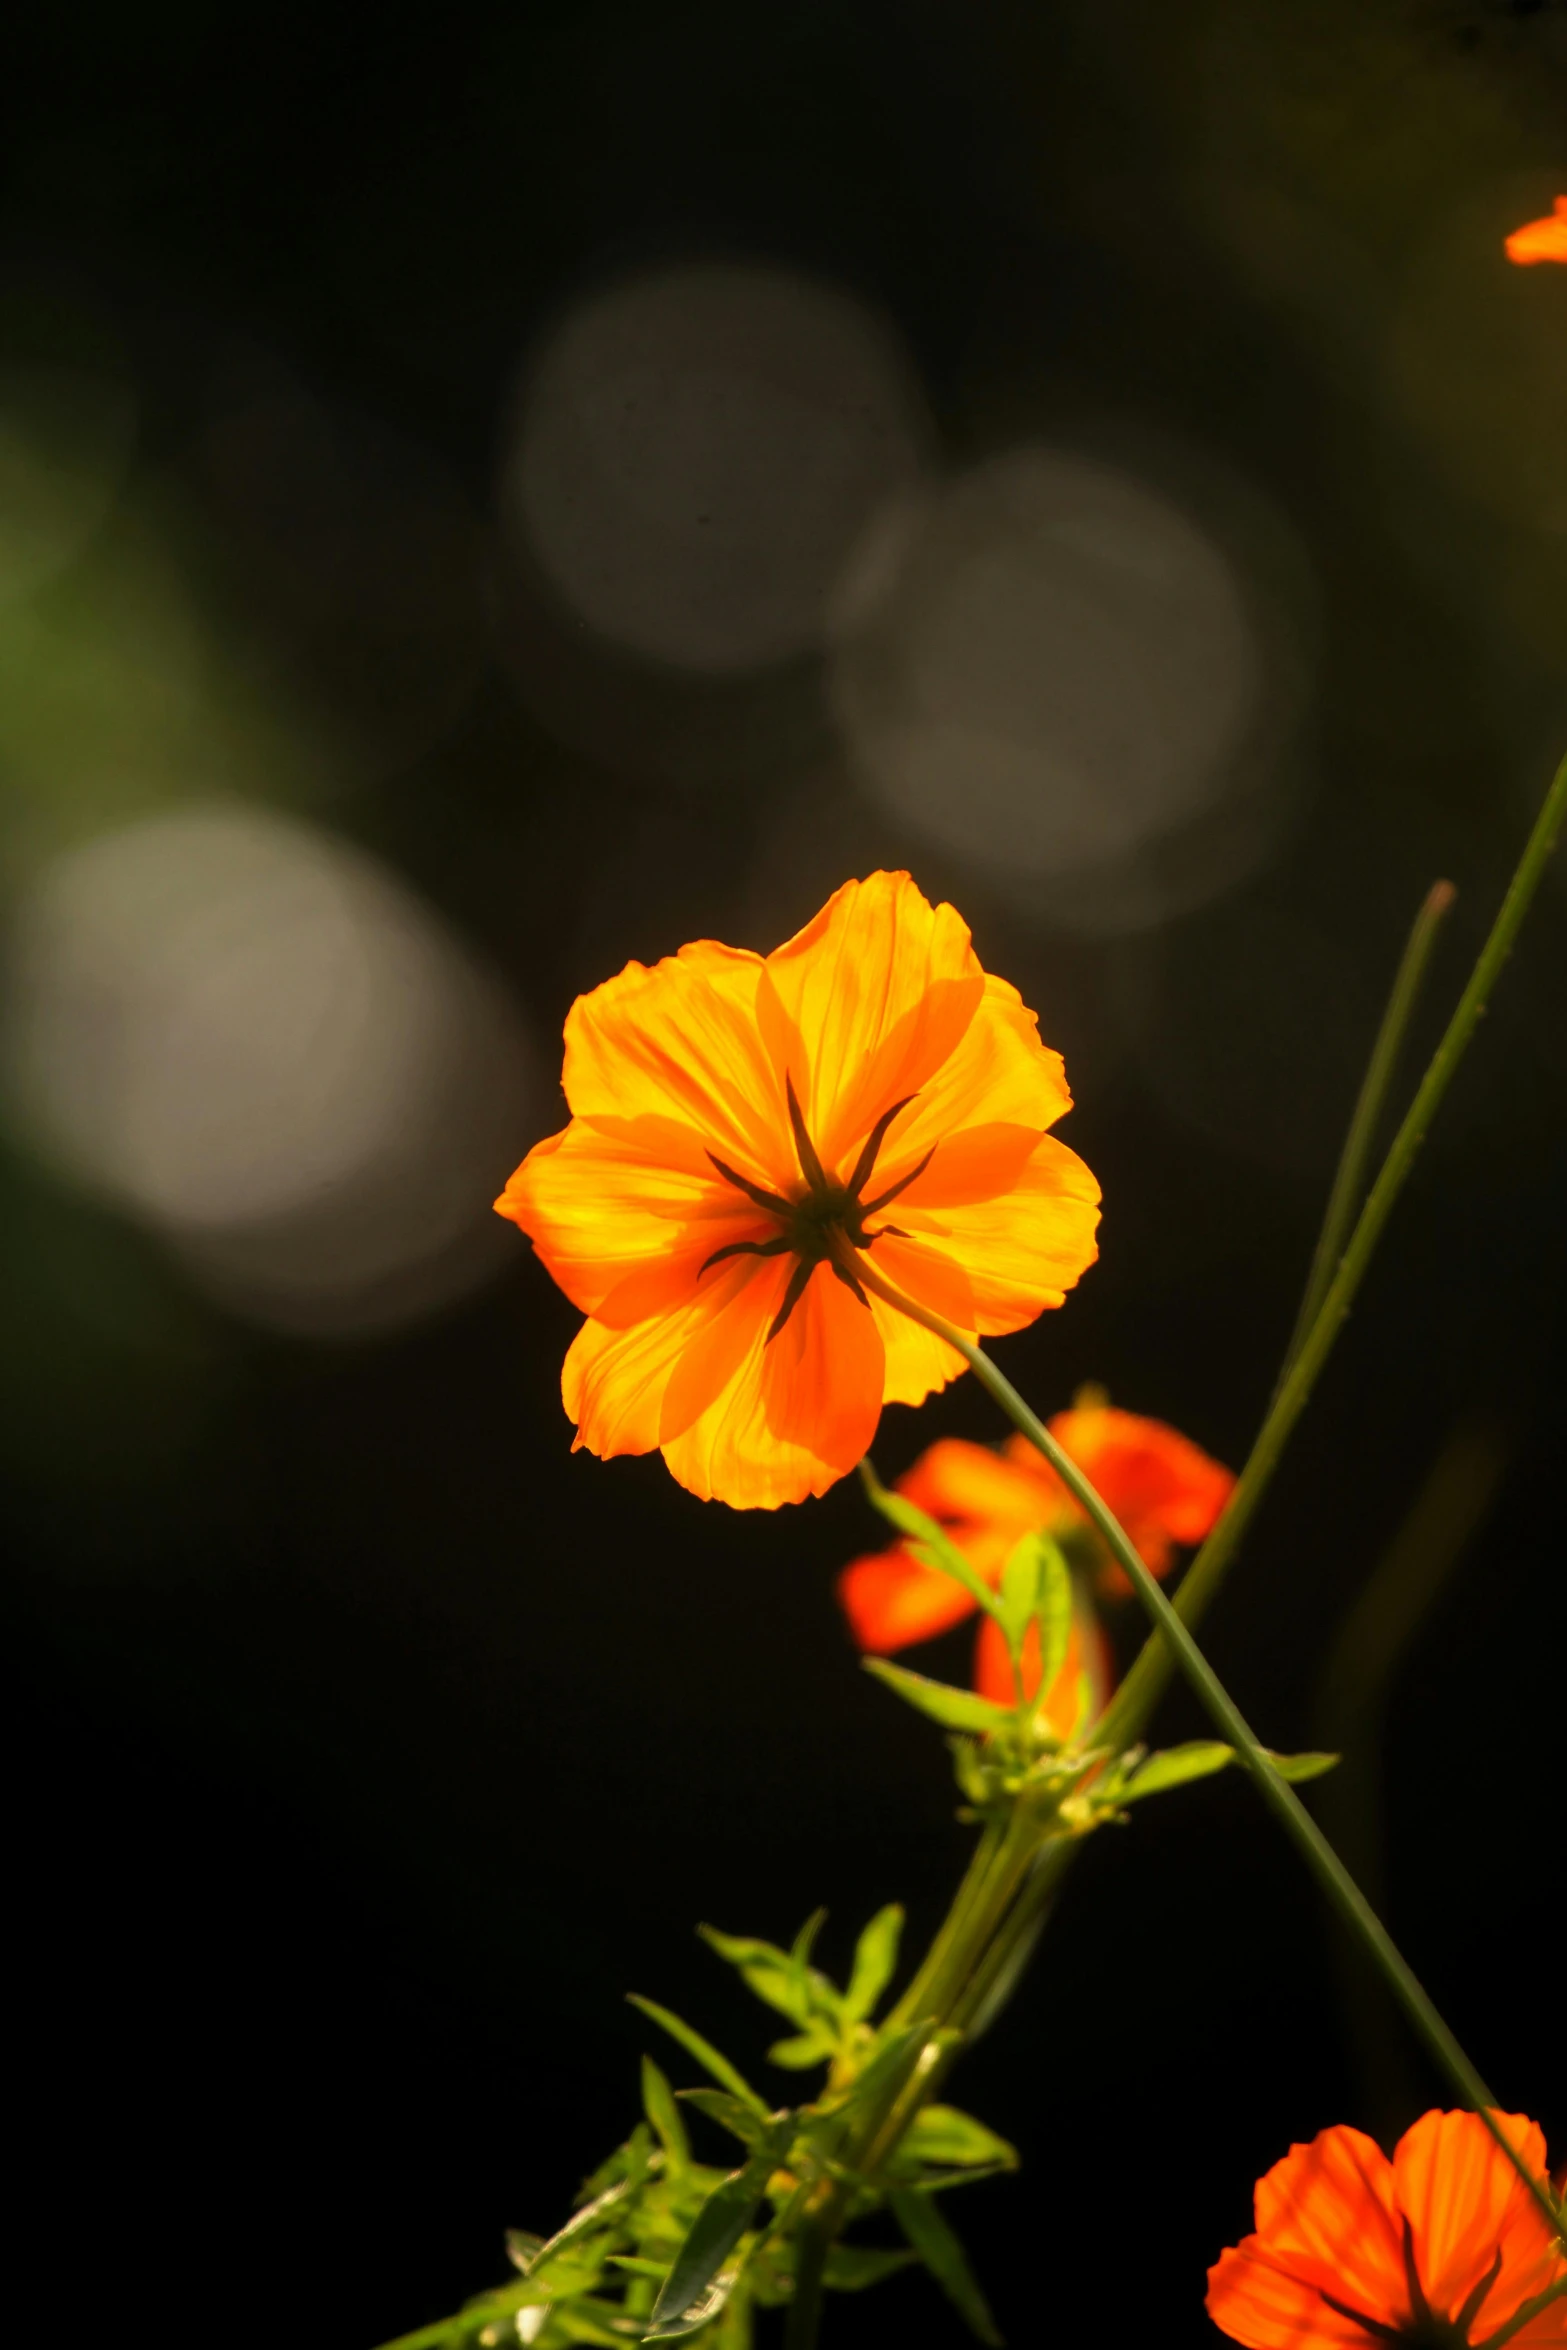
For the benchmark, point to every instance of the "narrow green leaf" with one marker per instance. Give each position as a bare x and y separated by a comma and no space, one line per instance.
742,2121
707,2056
779,1978
1198,1759
931,1545
955,1709
1054,1611
875,1957
637,2267
1296,1767
944,2256
805,1984
1201,1758
658,2100
579,2224
708,2304
1019,1593
803,2049
686,2299
940,2133
851,2267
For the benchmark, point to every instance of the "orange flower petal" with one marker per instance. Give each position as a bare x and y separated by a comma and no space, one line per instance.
891,1601
1464,2201
1024,1250
799,1410
878,992
965,1485
918,1362
1333,2202
605,1208
1086,1650
1270,2306
680,1040
613,1381
999,1074
1541,240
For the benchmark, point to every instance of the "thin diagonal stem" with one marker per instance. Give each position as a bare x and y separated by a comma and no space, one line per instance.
1349,1182
1138,1694
1279,1796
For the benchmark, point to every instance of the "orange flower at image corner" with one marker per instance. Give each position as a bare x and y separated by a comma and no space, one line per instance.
1541,240
1161,1486
1442,2245
746,1130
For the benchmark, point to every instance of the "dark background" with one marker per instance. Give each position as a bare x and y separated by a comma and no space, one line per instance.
365,1744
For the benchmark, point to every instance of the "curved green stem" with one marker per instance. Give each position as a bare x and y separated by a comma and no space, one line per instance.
1349,1181
1138,1694
1279,1796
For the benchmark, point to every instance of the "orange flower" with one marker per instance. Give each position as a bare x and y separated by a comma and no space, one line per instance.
1161,1487
1541,240
1442,2245
740,1127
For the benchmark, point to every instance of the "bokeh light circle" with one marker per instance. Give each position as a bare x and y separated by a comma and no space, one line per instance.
698,449
1048,668
260,1043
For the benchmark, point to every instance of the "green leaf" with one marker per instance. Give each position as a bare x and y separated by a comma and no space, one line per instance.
1296,1767
1201,1758
851,2267
580,2224
875,1957
803,2049
687,2297
930,1544
1019,1593
940,2133
946,2259
707,2056
731,2113
779,1978
658,2100
955,1709
1054,1610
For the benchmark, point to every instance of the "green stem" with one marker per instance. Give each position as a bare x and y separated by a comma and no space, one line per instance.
1349,1182
1138,1694
1280,1797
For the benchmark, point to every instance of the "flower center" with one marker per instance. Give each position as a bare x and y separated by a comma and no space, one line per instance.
825,1223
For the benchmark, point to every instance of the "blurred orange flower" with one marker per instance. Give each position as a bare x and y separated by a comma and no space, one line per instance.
741,1126
1160,1485
1541,240
1444,2244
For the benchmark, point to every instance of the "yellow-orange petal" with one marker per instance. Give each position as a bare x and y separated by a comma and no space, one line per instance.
613,1382
1464,2201
932,1276
1332,2203
799,1410
998,1075
892,1601
875,996
1024,1250
918,1363
679,1040
1540,240
638,1203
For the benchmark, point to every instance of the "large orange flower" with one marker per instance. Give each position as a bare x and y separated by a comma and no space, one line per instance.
1160,1485
741,1129
1443,2245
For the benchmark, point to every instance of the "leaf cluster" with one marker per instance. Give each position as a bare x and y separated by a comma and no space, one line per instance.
664,2246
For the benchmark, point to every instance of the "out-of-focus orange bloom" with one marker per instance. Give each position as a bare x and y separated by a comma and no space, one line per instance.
1444,2244
741,1129
1541,240
1160,1485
